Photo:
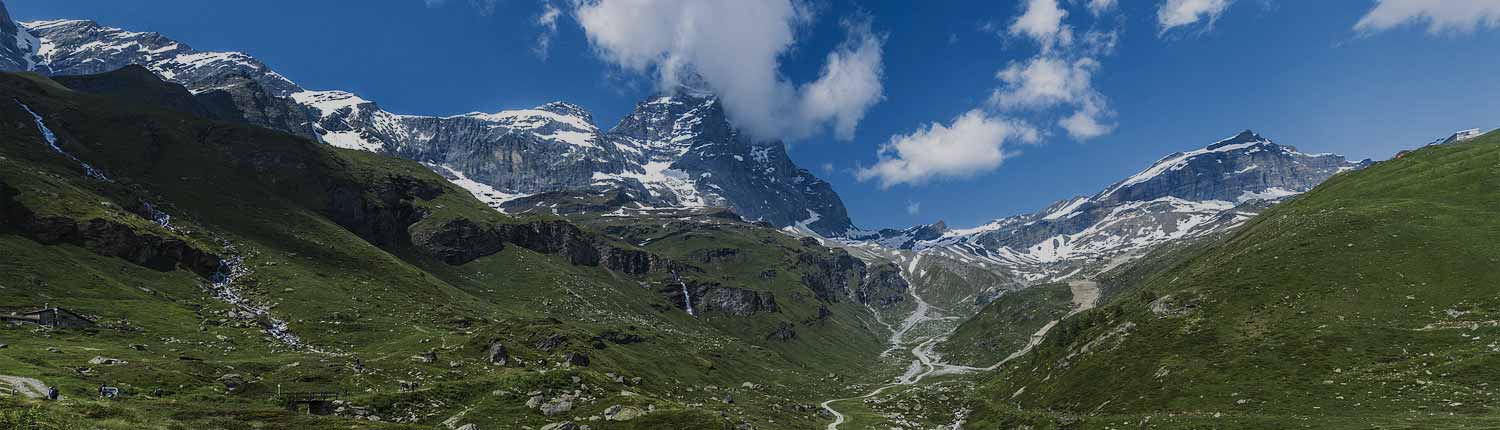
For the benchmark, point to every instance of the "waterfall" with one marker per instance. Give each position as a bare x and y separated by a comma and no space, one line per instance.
222,287
687,298
51,139
157,216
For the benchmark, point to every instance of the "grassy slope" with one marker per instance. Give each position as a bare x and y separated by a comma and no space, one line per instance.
1005,325
1369,301
341,293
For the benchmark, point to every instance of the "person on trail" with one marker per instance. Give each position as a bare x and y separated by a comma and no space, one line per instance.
52,393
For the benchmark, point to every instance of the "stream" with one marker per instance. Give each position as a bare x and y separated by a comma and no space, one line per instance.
1085,297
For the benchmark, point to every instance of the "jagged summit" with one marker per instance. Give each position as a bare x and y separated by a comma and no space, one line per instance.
1244,137
568,109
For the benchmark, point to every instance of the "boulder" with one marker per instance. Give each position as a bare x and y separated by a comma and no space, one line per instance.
622,413
576,359
550,342
497,355
558,406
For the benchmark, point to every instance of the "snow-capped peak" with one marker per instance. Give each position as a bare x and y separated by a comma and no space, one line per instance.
328,102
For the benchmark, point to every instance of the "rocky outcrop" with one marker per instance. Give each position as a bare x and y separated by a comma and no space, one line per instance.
460,241
883,286
784,332
105,237
830,273
714,297
18,47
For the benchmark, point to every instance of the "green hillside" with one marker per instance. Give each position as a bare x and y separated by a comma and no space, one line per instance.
385,273
1369,302
1005,325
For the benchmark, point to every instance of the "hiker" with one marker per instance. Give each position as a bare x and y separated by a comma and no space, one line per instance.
52,393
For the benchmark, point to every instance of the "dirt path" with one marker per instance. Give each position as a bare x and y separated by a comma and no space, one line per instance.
26,387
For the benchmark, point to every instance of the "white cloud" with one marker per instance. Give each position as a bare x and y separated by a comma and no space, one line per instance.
1171,14
1054,86
1087,123
1043,21
548,21
913,208
1044,82
971,144
849,84
1458,16
736,48
1099,7
827,168
434,3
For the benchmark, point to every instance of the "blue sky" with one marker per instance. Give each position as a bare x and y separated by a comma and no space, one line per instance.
1298,72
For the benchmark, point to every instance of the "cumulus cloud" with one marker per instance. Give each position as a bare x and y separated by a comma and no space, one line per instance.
1054,86
1171,14
1042,20
971,144
548,21
1045,82
735,49
1440,16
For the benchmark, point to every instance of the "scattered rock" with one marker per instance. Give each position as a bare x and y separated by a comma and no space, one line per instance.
470,426
498,355
557,406
535,401
106,361
232,382
565,425
550,342
576,359
622,413
428,357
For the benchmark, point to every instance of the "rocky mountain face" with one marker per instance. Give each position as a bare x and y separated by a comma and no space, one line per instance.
1182,196
674,150
18,47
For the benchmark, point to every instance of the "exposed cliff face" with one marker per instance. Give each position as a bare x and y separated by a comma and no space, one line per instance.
675,149
713,297
883,286
105,237
830,273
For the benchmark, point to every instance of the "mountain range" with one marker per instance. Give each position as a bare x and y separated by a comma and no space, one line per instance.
224,249
677,149
1182,196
